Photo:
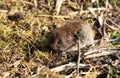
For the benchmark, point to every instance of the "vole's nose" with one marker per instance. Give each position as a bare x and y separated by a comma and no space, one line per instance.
55,48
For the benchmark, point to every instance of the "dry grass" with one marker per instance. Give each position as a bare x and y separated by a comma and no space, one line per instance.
24,50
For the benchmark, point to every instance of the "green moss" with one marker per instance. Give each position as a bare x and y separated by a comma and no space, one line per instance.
116,36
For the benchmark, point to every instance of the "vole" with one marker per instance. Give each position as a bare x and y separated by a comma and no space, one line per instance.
64,38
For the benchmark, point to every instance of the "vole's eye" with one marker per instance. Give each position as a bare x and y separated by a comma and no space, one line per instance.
59,41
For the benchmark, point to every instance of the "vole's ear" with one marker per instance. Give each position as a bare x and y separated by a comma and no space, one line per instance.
76,36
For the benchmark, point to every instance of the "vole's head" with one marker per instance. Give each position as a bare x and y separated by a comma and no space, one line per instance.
60,40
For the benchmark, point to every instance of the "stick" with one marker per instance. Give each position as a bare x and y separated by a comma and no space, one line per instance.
100,52
58,6
63,67
79,58
87,11
4,11
55,16
113,22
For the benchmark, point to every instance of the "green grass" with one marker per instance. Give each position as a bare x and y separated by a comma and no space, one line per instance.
115,35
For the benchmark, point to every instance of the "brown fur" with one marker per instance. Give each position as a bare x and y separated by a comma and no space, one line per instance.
64,37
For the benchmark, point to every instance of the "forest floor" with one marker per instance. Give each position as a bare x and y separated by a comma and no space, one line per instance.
24,32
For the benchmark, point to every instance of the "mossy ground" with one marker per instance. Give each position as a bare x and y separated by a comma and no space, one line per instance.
24,49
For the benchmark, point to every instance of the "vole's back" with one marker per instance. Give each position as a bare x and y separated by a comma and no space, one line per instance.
86,35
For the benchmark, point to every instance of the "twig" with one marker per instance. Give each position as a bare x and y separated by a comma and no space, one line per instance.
55,16
117,18
113,22
101,49
69,76
106,4
79,58
91,10
93,51
58,6
111,27
29,3
73,13
63,67
35,3
100,52
4,11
